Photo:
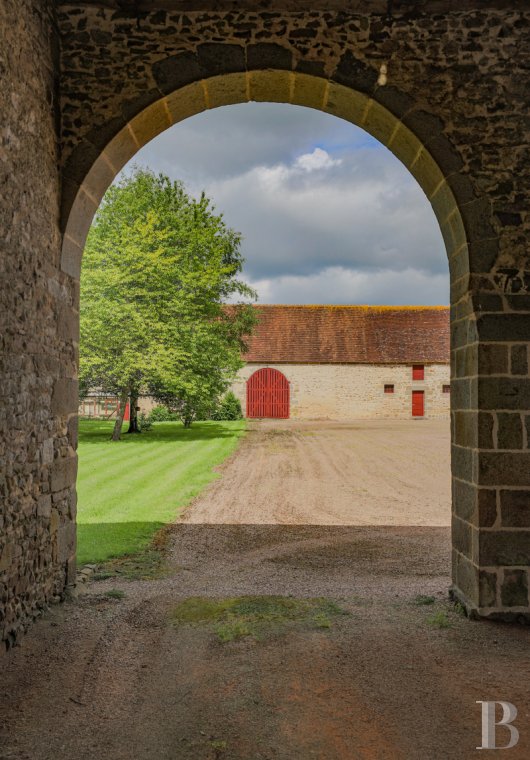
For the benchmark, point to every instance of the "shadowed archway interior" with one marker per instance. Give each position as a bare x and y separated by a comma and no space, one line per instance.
88,84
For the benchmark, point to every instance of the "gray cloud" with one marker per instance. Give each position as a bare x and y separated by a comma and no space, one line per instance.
346,286
327,214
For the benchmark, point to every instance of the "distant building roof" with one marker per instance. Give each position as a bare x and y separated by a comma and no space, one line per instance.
350,334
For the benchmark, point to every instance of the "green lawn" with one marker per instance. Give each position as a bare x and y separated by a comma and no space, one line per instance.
129,489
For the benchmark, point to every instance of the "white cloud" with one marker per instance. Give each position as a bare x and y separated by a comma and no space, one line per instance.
327,214
318,159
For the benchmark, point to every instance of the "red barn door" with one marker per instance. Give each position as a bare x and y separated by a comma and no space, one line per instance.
417,404
268,394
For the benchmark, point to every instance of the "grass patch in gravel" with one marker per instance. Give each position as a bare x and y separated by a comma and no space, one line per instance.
439,620
256,616
423,600
115,593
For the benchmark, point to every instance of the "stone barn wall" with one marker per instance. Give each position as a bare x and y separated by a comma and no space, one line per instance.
354,391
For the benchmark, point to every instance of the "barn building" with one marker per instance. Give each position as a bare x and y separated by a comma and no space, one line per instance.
347,362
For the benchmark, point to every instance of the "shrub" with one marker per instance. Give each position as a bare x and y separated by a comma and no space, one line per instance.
228,408
144,422
162,414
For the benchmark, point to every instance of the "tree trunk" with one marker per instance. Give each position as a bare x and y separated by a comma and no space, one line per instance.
133,417
116,433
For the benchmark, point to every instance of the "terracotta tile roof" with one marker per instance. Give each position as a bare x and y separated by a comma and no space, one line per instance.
351,334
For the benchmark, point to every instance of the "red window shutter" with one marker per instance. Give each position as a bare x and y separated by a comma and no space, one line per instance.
389,388
418,372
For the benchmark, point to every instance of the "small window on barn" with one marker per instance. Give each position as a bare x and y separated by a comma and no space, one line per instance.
446,388
418,372
389,388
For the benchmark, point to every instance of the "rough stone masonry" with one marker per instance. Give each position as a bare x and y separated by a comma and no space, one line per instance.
85,84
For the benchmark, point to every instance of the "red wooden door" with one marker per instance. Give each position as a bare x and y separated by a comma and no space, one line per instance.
417,404
268,394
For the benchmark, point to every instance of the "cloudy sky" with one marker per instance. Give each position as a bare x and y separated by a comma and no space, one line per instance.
328,215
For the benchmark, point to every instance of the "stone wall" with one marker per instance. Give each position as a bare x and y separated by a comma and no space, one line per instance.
454,110
37,460
354,391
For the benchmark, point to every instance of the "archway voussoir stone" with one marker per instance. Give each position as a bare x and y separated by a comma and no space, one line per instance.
102,134
77,166
483,255
275,86
309,91
353,73
176,71
459,288
99,178
78,225
443,201
459,266
71,257
445,155
226,90
426,126
216,58
477,219
268,55
131,108
151,122
315,69
122,148
187,102
379,122
404,144
398,102
427,172
462,187
345,103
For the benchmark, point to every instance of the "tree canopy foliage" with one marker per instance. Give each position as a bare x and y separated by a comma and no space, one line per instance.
158,270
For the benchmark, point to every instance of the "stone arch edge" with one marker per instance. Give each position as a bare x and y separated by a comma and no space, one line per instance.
223,74
416,137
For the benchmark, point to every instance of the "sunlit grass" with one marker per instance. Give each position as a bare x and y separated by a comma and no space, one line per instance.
128,490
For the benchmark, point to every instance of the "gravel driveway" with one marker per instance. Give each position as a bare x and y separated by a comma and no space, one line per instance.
393,674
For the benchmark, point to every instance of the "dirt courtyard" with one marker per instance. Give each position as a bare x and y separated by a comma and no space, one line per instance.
368,472
331,544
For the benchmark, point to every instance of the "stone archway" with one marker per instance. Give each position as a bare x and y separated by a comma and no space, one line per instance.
104,77
275,85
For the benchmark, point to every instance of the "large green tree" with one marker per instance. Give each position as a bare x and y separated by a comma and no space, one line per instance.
158,270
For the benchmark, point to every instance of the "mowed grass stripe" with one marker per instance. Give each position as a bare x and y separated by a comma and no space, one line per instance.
128,495
121,474
140,473
148,461
129,489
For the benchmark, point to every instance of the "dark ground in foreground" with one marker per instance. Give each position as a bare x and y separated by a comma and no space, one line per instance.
106,678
